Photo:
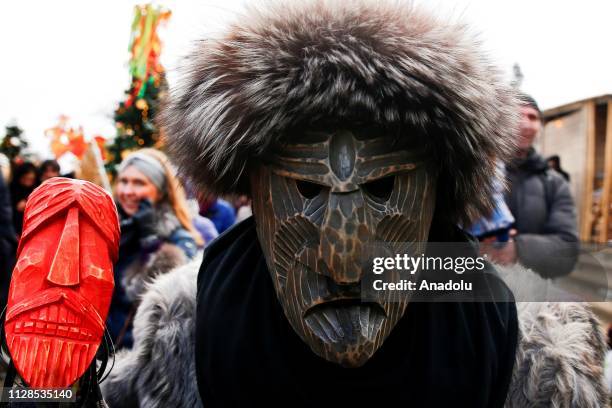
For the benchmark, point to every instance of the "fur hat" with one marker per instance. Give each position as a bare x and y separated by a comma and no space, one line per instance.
298,63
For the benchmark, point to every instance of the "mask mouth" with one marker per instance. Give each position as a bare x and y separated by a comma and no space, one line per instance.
344,302
66,301
345,320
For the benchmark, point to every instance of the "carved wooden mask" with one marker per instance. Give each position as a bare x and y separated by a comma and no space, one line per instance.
62,284
321,201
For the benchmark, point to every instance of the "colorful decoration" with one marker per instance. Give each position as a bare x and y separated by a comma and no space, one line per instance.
66,139
12,144
101,142
145,47
62,284
134,116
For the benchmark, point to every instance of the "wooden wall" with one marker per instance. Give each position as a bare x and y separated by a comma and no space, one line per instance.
566,137
581,134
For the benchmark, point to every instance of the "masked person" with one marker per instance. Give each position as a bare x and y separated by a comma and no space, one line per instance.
156,233
351,125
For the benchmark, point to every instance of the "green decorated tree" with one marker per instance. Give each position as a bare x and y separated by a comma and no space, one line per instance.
134,123
13,143
134,117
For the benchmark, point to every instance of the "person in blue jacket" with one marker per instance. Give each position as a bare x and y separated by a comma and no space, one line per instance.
219,211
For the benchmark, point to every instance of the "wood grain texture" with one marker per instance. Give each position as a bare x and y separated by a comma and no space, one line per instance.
589,175
62,284
604,232
321,204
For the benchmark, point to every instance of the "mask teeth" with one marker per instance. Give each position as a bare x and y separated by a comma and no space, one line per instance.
55,314
56,321
59,361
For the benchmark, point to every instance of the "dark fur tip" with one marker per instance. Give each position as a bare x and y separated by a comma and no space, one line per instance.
390,63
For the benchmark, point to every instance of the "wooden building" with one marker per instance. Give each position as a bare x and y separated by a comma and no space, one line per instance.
581,134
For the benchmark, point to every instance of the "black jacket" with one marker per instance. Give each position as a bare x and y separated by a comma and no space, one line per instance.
8,242
247,355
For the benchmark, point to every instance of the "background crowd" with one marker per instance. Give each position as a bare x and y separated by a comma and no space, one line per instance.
162,225
165,223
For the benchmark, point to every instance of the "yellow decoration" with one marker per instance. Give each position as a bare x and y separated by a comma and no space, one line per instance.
142,104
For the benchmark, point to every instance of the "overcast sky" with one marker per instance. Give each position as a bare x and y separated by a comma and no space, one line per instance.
70,57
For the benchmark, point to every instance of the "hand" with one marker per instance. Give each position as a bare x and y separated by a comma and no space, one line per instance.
21,206
144,219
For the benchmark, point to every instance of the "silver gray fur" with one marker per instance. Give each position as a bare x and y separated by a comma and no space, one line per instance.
159,371
295,64
167,257
560,359
138,276
561,353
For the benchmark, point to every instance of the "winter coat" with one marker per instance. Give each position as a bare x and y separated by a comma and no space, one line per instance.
8,242
222,214
18,193
139,263
545,215
159,371
205,227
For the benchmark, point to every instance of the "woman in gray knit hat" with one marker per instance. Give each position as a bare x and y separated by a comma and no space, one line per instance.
157,233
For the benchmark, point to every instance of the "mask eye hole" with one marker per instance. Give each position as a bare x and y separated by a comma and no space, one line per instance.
307,189
380,189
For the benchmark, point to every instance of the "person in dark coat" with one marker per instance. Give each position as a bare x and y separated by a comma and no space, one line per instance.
8,242
219,211
48,169
546,238
554,162
24,181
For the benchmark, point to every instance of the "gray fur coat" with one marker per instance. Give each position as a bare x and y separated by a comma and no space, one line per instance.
559,360
171,254
159,371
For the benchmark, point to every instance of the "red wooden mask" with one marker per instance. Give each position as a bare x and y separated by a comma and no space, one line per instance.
62,284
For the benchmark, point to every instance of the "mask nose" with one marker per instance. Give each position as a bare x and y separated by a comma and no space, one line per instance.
344,234
65,266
